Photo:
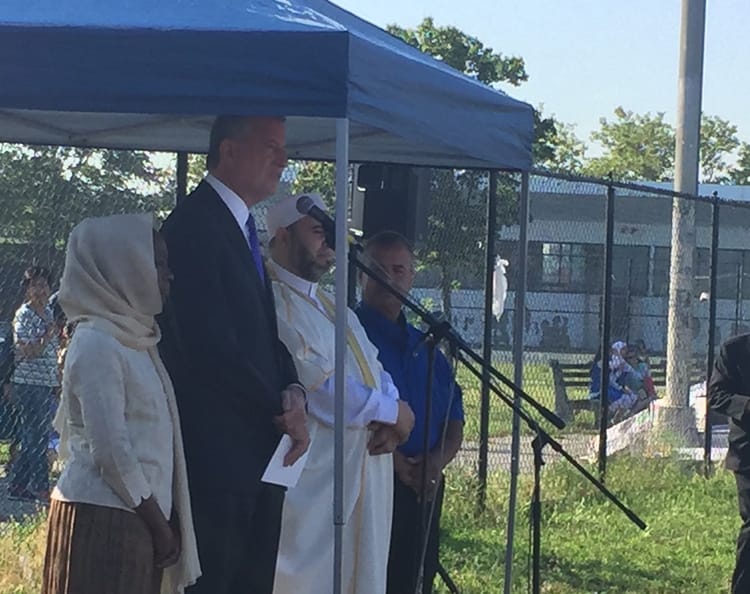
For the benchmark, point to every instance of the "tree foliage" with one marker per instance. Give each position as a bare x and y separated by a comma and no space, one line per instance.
456,225
740,173
463,52
718,141
46,191
641,147
636,147
316,176
568,154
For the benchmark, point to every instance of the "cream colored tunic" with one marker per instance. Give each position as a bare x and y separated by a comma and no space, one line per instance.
305,560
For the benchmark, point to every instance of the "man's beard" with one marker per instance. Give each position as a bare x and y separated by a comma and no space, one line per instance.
310,269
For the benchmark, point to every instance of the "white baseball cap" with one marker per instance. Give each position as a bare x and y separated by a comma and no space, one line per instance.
284,212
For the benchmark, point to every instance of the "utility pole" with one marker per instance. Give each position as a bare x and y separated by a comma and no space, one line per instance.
675,415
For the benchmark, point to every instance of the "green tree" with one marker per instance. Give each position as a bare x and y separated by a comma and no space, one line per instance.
566,152
718,141
457,199
636,147
463,52
315,176
46,191
196,170
641,147
740,172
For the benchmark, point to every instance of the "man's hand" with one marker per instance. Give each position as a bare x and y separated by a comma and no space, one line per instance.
409,472
383,440
404,468
434,474
293,422
386,438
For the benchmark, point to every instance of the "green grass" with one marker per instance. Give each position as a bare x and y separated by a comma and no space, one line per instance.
588,545
22,546
537,383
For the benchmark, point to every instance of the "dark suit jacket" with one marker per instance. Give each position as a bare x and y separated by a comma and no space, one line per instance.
221,347
729,394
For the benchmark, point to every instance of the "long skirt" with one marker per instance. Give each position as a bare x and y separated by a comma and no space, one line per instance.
98,550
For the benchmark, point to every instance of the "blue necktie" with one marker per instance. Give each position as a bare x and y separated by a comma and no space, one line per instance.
252,236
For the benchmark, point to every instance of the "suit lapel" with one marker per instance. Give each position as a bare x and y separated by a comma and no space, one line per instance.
229,228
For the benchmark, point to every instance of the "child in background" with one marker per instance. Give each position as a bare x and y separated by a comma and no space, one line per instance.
621,398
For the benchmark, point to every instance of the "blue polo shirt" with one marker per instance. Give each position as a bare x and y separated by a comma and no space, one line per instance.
402,355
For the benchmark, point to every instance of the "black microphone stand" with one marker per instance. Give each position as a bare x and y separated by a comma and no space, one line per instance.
442,330
433,336
541,439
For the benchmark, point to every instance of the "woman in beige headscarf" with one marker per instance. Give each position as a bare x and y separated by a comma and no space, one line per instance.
119,519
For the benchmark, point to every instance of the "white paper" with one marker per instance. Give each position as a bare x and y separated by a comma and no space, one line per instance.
278,474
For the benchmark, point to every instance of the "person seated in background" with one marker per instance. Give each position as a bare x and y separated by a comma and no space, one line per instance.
621,398
638,375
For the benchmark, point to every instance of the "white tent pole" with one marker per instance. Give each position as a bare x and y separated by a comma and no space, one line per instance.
342,179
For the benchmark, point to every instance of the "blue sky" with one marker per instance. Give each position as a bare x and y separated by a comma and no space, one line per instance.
586,57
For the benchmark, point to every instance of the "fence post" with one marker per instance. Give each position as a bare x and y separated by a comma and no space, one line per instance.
519,321
489,278
712,298
606,321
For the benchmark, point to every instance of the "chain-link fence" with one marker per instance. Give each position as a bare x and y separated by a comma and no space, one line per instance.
44,192
564,268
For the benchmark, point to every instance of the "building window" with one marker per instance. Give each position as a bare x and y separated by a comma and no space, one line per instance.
733,274
563,265
630,269
661,271
728,263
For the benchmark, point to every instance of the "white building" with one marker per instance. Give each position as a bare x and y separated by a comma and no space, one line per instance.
565,268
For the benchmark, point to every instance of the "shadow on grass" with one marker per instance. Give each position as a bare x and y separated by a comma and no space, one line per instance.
668,576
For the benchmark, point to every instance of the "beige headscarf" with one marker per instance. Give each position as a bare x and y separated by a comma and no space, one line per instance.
110,283
110,278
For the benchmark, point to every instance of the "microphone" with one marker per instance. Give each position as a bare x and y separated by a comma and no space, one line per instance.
306,206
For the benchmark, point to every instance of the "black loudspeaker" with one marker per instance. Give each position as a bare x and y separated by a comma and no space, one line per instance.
392,198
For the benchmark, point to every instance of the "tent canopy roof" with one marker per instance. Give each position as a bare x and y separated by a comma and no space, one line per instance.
152,74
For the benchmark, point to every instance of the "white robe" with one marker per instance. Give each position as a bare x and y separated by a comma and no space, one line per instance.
306,549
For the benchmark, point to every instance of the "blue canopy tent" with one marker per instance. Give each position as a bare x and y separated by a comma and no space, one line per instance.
151,74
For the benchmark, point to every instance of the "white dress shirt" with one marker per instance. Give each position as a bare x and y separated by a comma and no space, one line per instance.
236,205
362,404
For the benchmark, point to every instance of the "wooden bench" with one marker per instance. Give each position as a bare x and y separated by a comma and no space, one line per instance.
578,377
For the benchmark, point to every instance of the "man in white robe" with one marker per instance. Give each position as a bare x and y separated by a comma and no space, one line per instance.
376,422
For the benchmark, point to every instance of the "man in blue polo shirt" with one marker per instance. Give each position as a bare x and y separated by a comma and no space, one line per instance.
405,356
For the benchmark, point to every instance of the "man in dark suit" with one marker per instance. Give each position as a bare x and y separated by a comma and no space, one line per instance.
729,394
235,382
